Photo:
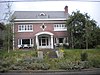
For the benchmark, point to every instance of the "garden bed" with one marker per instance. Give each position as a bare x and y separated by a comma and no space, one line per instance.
27,61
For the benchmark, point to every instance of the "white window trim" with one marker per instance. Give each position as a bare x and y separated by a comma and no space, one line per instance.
60,27
26,31
31,42
23,29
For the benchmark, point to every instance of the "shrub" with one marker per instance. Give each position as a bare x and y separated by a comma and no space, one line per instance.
98,47
3,69
85,64
38,66
45,66
15,67
69,65
65,66
84,56
76,65
4,65
95,63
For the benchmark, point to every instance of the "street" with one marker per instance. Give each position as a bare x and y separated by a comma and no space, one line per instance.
94,72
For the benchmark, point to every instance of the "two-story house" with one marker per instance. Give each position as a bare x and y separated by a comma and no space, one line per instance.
43,29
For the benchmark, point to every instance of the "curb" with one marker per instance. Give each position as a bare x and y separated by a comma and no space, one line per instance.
52,71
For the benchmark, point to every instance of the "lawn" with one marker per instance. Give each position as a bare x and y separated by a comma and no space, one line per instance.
75,59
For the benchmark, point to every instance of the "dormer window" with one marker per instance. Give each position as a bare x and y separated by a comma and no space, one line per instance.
42,14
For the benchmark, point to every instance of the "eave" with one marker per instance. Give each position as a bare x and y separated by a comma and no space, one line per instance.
58,20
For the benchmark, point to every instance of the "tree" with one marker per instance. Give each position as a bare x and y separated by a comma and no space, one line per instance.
8,37
8,33
81,30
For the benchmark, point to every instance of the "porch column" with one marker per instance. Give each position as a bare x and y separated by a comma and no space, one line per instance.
64,40
37,43
30,42
52,41
57,40
21,42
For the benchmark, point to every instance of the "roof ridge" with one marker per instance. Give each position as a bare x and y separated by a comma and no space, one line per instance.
39,11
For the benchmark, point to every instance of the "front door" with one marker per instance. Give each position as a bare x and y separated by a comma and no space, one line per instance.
44,42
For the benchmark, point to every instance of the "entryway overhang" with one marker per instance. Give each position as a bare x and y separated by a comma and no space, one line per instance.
49,33
43,41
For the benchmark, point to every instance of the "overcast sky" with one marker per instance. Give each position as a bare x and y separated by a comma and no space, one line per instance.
92,8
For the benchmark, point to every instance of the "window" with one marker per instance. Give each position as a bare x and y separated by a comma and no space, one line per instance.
25,41
25,28
43,27
60,27
61,40
22,43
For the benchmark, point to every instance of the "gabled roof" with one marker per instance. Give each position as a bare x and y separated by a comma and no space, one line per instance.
39,14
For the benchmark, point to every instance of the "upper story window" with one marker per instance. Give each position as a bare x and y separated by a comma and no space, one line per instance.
25,28
60,27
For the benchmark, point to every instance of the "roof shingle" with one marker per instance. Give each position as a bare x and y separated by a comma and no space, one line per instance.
37,14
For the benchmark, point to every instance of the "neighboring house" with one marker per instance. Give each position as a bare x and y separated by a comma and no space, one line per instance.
1,35
43,29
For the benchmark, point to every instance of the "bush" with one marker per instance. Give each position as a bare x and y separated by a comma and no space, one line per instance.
16,67
76,65
45,66
70,65
3,69
98,47
95,63
85,64
64,65
84,56
4,65
38,66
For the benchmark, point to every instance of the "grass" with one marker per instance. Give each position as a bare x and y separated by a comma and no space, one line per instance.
17,54
75,53
69,54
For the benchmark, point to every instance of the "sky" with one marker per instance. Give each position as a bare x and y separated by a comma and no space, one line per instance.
92,8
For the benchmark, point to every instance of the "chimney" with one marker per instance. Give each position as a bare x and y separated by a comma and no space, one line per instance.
66,9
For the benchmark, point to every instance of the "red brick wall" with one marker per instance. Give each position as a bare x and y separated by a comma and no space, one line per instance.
37,29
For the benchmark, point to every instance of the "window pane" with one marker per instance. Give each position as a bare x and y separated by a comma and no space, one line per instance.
61,40
30,27
19,28
25,41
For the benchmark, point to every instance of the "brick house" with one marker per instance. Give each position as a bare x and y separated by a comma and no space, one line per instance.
1,34
43,29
